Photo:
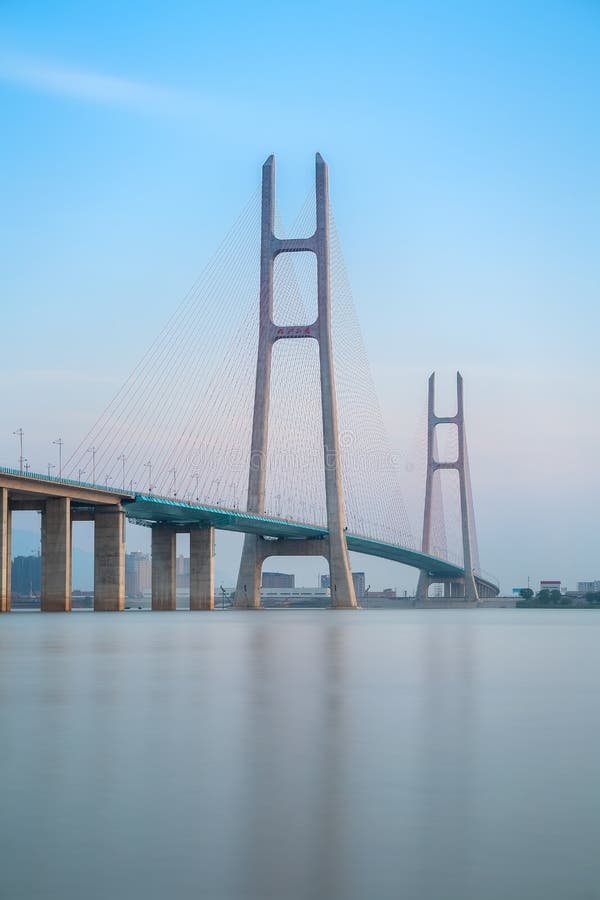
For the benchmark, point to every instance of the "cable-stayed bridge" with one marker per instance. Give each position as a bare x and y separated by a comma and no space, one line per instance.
253,411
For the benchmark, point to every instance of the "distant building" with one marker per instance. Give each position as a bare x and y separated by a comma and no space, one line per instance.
386,593
588,587
550,586
358,579
26,575
278,580
182,571
138,573
295,596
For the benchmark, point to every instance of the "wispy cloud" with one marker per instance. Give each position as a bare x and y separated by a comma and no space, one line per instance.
93,87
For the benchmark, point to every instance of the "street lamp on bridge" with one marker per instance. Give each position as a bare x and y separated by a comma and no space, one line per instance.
92,450
19,433
59,443
122,460
148,466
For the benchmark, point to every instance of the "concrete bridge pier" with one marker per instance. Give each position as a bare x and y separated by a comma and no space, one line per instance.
109,559
56,555
163,567
202,568
5,554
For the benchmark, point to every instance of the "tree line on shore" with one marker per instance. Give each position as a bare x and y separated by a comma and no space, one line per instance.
552,598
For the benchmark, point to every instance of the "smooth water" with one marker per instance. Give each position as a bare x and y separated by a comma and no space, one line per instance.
291,754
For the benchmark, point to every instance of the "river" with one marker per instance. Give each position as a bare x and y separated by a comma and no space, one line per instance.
412,754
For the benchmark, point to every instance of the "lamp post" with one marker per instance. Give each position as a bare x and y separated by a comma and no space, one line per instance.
148,466
26,466
173,472
92,450
59,443
122,459
80,472
19,434
50,467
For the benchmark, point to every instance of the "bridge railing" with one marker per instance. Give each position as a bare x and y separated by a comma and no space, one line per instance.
58,479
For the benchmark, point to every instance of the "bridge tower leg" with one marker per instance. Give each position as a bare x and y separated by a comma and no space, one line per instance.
248,584
5,554
459,464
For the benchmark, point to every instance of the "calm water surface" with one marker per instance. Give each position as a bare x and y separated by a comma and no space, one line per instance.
404,754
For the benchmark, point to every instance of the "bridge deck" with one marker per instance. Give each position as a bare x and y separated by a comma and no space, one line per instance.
151,509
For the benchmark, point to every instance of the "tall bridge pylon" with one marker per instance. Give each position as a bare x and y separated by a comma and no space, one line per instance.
464,588
256,549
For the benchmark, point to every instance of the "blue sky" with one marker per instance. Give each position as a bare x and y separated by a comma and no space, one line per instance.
464,148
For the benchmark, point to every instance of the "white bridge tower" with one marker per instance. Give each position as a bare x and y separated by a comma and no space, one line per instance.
256,549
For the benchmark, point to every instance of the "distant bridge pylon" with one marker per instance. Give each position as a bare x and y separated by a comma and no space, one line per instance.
464,586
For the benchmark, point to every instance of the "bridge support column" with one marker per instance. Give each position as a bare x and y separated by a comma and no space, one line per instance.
56,555
5,551
163,567
202,568
109,559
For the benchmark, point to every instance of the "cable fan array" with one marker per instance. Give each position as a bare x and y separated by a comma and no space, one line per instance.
181,424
